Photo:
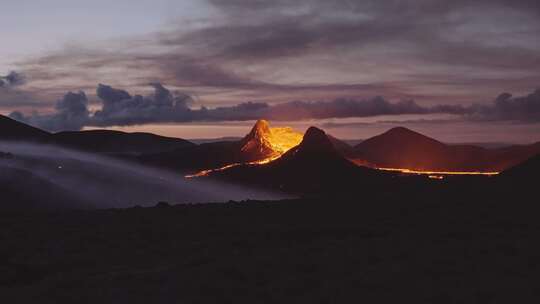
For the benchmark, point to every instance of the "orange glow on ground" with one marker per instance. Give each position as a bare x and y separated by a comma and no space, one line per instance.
437,174
207,172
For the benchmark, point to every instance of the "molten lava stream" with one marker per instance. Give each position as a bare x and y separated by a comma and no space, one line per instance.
209,171
437,174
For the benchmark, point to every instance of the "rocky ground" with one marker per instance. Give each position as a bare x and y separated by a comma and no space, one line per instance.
444,248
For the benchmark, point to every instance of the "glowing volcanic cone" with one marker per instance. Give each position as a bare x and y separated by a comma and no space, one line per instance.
263,143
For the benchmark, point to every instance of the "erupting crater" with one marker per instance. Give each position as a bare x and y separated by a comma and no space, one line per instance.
262,145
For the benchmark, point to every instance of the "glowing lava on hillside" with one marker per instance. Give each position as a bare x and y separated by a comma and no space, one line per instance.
437,174
262,145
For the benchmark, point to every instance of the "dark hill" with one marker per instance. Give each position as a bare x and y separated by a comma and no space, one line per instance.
99,141
13,130
526,171
312,167
116,142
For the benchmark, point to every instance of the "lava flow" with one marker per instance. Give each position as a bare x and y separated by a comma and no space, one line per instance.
437,174
262,145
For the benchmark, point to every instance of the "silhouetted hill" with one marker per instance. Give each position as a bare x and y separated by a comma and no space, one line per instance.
402,148
13,130
341,146
527,171
313,167
99,141
116,142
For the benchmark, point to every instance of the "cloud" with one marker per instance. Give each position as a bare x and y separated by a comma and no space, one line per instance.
11,95
12,79
121,108
506,107
71,114
314,49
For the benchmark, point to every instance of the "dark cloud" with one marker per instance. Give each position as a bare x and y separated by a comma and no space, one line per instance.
121,108
71,114
507,107
12,79
11,95
389,45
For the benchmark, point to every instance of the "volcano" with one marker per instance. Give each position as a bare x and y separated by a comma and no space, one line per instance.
261,145
264,143
406,149
313,166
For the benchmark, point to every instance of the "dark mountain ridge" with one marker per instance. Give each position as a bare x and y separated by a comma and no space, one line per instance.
13,130
403,148
96,141
312,167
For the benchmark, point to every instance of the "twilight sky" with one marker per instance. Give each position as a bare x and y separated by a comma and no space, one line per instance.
208,68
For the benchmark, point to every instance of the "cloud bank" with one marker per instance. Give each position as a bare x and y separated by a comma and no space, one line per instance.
120,108
314,49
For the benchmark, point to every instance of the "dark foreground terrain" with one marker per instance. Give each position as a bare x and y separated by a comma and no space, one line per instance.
444,247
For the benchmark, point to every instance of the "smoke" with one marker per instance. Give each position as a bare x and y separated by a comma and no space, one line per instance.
109,183
119,108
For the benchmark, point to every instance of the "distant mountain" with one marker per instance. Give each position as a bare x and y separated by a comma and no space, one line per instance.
402,148
314,166
13,130
97,141
116,142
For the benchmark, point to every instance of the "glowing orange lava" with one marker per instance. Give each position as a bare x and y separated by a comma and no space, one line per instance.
275,140
437,174
207,172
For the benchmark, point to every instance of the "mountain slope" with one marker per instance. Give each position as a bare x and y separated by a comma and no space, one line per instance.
527,170
99,141
314,166
260,144
403,148
116,142
11,129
